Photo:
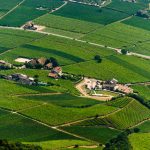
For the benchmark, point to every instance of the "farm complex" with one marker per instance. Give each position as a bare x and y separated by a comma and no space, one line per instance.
74,74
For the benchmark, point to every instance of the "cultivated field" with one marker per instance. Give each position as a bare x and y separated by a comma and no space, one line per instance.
56,115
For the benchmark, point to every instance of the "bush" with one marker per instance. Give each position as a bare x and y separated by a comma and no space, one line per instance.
98,58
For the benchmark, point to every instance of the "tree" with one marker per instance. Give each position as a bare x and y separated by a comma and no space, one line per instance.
36,76
54,62
98,58
124,51
136,130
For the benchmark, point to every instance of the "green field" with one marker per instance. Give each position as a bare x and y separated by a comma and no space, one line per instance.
140,141
64,100
17,128
55,115
128,116
7,5
143,91
29,10
12,38
99,134
90,13
58,116
138,22
126,7
122,68
120,35
66,51
66,24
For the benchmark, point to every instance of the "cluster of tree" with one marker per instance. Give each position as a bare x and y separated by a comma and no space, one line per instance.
121,141
143,13
5,67
6,145
98,58
140,99
71,77
42,63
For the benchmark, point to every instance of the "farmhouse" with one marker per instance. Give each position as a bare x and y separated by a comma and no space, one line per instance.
110,85
21,78
56,72
5,65
29,26
38,63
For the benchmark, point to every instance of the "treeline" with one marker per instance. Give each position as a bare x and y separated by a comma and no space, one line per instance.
6,145
121,141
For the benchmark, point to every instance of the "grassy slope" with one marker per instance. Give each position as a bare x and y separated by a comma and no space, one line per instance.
143,91
140,141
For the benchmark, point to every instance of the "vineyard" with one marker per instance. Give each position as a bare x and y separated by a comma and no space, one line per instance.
130,115
104,42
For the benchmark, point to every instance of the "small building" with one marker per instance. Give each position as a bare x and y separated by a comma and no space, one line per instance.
29,26
21,78
42,61
56,72
5,65
124,88
110,84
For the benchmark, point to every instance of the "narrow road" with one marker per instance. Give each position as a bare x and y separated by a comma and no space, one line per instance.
12,9
56,9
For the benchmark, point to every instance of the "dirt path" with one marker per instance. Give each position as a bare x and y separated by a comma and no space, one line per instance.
38,94
148,119
56,9
12,9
